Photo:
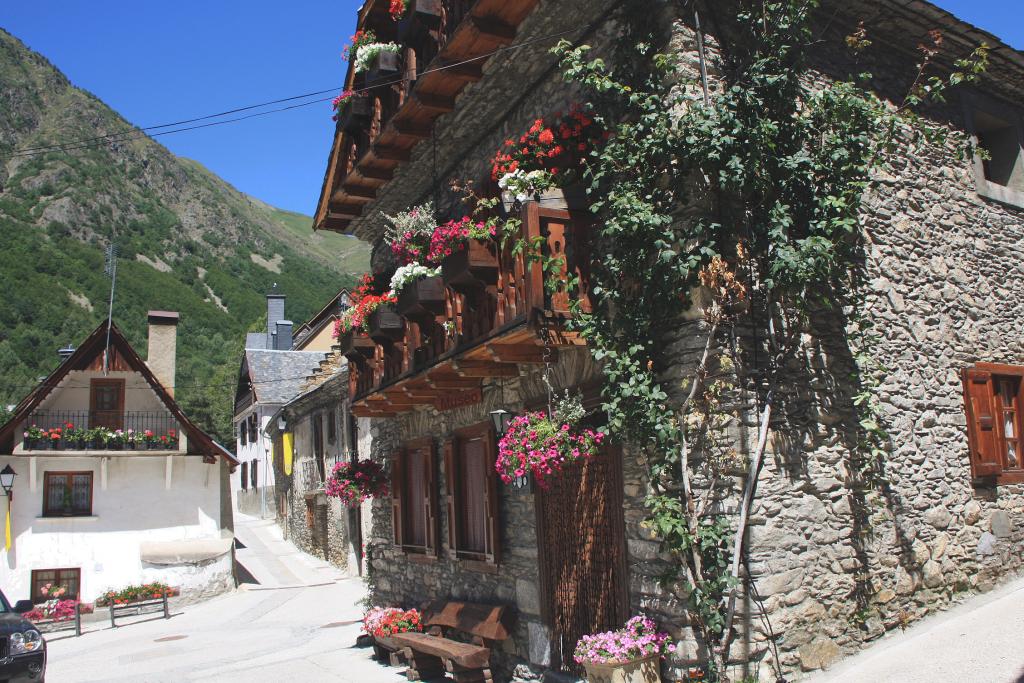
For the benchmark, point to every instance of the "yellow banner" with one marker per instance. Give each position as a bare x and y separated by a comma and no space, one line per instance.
7,530
286,440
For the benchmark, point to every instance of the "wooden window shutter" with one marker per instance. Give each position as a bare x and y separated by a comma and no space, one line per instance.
979,399
450,484
397,491
492,501
430,500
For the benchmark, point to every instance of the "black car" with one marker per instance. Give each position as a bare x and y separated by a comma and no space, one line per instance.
22,646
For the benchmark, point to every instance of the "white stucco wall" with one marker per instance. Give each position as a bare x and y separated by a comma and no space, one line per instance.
135,499
262,452
72,394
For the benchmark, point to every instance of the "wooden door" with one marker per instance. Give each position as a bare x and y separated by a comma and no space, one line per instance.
106,403
581,538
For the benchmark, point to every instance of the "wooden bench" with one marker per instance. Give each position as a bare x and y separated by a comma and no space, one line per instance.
432,653
133,609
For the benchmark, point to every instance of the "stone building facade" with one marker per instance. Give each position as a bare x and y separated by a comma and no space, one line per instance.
830,567
322,434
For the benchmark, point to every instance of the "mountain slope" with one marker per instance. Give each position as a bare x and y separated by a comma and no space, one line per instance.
189,242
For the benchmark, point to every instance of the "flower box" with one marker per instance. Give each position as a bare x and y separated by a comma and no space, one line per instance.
384,325
570,198
356,346
355,116
646,670
472,268
421,300
383,68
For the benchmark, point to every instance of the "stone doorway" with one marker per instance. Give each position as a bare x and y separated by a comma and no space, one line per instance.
582,545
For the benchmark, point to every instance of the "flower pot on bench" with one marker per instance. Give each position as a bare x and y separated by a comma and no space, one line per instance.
472,268
385,326
421,300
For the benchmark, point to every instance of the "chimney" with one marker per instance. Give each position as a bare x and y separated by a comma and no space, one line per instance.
275,313
163,347
65,352
283,335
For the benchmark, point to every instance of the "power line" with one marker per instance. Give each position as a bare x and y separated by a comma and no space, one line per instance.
141,132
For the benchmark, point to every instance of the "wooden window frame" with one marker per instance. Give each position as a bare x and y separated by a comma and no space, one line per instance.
33,594
254,474
985,437
974,103
49,476
332,426
400,506
94,384
245,476
491,555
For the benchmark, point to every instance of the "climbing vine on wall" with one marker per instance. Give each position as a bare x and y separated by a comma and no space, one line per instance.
742,201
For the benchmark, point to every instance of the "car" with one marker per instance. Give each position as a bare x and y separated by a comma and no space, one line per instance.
22,646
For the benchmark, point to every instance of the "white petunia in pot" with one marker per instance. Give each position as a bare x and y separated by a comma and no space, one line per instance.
369,52
411,273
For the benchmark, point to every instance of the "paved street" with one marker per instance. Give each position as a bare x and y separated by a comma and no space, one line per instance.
976,641
299,624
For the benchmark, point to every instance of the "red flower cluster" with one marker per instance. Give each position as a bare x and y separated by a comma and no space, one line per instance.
353,483
453,236
339,102
387,621
146,591
397,9
365,301
551,146
536,444
357,41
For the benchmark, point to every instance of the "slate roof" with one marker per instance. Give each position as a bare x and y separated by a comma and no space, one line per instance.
278,376
256,340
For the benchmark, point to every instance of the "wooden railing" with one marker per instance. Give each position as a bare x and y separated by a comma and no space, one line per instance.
484,311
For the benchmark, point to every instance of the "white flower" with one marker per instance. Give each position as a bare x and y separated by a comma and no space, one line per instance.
523,185
367,53
411,273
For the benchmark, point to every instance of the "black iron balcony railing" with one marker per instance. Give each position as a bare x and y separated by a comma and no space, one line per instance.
100,430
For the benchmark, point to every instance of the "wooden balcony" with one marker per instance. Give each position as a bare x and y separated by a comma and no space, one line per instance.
491,323
444,49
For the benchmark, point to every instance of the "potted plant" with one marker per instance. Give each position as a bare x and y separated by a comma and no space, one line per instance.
74,437
169,441
420,293
115,441
352,111
409,234
129,439
377,60
149,440
384,325
53,436
34,438
383,622
631,654
467,252
543,445
365,303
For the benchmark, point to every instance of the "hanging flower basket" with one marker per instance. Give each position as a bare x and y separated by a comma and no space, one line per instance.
422,300
631,654
356,346
354,482
536,444
384,325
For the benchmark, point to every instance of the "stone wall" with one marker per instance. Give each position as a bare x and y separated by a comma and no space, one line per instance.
258,502
831,567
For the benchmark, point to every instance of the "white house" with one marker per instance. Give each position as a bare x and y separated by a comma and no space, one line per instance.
273,371
151,504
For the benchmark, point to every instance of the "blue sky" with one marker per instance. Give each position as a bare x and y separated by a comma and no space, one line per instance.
161,62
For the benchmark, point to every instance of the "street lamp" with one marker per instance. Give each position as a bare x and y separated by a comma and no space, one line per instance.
7,475
501,419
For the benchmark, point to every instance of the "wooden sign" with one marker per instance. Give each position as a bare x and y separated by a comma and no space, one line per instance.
459,399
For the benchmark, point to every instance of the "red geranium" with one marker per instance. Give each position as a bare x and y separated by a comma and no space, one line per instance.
397,9
365,301
453,236
553,146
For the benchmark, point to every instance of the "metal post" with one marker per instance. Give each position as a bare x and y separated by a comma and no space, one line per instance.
167,610
78,619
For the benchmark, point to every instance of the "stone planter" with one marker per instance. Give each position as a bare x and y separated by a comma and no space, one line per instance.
472,268
356,346
355,116
422,301
646,670
383,68
385,326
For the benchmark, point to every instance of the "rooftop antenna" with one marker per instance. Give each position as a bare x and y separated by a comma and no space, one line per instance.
110,268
